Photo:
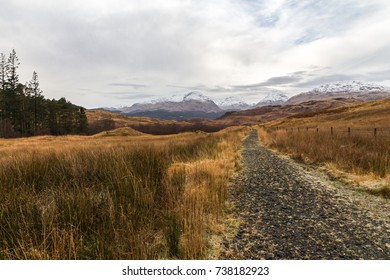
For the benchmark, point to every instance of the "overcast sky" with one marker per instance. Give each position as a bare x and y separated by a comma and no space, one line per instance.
118,52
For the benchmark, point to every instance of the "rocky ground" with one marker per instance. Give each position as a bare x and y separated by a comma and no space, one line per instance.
286,212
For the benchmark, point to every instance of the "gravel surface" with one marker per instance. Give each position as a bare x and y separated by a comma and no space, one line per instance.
286,213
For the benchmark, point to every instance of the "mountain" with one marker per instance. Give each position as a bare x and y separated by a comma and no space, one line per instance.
191,102
192,105
272,112
275,97
233,103
196,96
346,89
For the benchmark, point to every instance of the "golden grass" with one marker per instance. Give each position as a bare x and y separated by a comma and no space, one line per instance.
362,115
360,155
131,197
122,120
122,131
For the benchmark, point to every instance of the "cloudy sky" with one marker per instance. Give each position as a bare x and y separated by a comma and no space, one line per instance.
118,52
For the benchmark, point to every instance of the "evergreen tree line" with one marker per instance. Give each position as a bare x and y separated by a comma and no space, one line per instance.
24,111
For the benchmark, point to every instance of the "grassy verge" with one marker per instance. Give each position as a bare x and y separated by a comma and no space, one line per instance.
139,197
360,155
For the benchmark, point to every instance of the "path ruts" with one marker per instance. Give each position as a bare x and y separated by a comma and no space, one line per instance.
285,214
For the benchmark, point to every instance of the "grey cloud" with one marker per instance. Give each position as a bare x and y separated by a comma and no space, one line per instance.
74,46
282,80
328,79
131,95
135,86
204,88
185,87
379,76
274,81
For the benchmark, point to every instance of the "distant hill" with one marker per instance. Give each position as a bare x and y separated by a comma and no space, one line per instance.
275,97
368,114
269,113
177,115
122,131
234,103
100,120
195,105
348,89
192,102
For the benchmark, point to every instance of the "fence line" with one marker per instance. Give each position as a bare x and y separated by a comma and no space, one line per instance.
375,131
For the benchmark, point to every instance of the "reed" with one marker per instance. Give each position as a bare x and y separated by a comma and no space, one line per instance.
144,197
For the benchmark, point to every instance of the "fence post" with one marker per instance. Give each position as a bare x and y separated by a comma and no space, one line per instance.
375,130
331,130
317,129
349,131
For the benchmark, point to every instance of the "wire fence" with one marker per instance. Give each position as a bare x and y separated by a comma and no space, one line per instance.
350,131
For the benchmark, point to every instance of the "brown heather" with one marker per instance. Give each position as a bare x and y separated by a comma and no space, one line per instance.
119,197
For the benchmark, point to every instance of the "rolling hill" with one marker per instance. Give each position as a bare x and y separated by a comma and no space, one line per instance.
365,115
269,113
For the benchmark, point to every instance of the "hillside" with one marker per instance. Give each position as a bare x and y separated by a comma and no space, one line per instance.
367,114
100,120
122,131
120,119
270,113
346,89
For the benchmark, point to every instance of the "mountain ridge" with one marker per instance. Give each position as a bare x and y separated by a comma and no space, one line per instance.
343,89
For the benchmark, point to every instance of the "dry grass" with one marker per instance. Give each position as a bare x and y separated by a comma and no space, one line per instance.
122,131
122,120
363,115
361,155
140,197
357,157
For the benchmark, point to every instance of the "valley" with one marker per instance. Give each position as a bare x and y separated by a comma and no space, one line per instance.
148,188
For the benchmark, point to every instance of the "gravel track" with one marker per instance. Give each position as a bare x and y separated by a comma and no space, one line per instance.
286,213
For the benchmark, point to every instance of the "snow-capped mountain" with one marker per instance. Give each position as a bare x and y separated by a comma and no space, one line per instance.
275,97
197,96
193,101
352,86
233,103
173,98
345,89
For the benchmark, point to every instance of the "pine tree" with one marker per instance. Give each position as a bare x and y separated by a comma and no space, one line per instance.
36,94
3,83
12,75
24,111
3,72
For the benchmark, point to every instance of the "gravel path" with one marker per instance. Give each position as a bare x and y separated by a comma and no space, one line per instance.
286,213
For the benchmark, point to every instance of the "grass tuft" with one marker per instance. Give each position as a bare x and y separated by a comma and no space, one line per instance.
143,197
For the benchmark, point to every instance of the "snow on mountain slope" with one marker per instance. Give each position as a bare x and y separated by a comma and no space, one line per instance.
197,96
193,101
233,103
348,86
275,97
345,89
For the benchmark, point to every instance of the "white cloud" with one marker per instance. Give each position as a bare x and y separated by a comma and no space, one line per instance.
77,45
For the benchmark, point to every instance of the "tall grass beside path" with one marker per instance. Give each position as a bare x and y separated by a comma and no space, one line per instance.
140,197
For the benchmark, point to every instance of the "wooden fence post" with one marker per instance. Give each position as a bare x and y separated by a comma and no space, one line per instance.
349,131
